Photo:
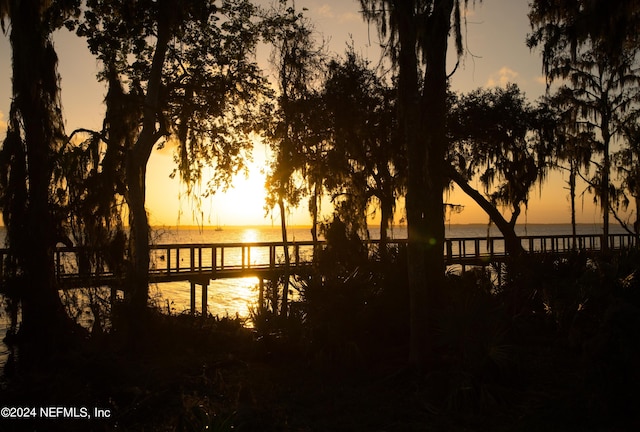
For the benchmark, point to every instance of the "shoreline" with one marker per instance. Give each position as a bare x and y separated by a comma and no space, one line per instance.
470,224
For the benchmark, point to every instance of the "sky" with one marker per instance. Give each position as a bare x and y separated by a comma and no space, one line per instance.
496,54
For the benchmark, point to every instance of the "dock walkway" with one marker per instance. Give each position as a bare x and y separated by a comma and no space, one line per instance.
201,263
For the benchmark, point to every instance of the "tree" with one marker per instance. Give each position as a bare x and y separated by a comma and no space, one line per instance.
595,62
35,132
90,186
564,27
365,161
500,139
184,71
599,102
296,61
572,152
418,33
627,164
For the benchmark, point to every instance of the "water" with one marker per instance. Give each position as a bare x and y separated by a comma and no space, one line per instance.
226,297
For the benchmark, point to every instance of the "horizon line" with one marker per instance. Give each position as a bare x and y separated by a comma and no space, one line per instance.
404,225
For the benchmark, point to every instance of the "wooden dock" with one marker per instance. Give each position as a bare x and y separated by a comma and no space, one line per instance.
198,264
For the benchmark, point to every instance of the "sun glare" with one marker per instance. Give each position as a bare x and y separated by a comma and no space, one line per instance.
250,235
243,203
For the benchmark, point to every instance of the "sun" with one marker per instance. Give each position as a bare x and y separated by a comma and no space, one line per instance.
243,203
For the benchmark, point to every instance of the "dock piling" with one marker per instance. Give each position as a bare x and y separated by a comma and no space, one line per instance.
205,295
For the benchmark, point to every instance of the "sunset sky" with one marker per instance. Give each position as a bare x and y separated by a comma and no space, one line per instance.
497,54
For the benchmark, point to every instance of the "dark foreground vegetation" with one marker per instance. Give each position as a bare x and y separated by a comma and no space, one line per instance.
555,346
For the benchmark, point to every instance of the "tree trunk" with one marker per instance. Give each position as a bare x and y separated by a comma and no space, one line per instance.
138,272
434,113
386,213
636,224
284,307
313,203
423,126
605,190
408,120
572,193
513,245
35,110
136,167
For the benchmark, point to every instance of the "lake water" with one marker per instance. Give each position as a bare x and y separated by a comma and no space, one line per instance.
237,296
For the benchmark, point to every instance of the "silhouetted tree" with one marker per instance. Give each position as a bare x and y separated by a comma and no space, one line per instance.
499,138
90,188
571,153
627,165
35,132
595,61
564,27
184,71
295,58
365,160
419,32
600,101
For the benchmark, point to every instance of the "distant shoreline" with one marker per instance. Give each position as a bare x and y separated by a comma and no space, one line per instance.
371,226
276,226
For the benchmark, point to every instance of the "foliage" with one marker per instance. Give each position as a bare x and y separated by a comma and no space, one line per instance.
572,151
499,137
627,165
562,28
196,418
343,253
478,370
288,131
595,62
292,131
209,81
336,135
365,160
35,133
571,363
353,308
89,199
386,15
179,72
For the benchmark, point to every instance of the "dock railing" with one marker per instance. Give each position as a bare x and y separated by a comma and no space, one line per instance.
191,261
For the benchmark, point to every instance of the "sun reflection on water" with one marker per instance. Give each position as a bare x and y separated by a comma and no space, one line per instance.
250,235
226,297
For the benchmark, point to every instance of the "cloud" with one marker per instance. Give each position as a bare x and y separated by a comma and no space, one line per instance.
325,11
350,17
502,77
